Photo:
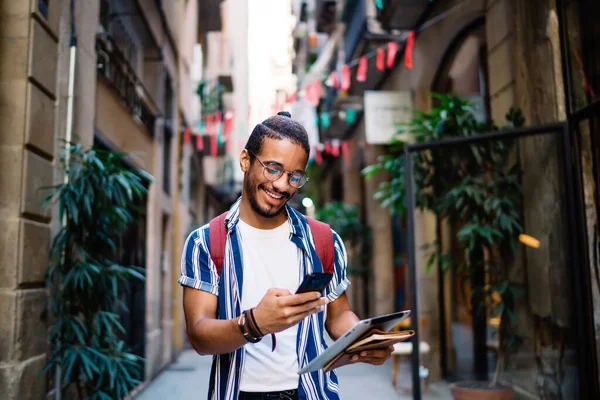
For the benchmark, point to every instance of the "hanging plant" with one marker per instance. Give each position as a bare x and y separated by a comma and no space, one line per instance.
84,279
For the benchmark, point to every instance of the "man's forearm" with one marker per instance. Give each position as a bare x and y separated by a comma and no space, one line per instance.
343,322
213,336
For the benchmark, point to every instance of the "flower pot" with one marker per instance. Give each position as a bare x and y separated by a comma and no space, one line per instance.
480,390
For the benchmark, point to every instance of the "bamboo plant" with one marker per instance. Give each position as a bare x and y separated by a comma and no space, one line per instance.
84,278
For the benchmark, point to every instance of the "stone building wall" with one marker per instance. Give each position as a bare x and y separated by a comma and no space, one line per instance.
29,48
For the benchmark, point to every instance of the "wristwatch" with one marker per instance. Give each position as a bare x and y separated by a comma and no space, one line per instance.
243,328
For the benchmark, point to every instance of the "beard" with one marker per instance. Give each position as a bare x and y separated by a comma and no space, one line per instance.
266,211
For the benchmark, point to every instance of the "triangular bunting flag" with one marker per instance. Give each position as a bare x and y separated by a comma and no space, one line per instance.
187,139
345,78
325,120
408,51
361,72
345,152
335,148
316,92
333,79
350,116
380,59
200,142
213,145
318,156
391,56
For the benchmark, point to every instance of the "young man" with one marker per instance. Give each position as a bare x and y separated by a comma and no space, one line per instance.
247,316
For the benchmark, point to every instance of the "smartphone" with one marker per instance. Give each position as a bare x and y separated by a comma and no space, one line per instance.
315,282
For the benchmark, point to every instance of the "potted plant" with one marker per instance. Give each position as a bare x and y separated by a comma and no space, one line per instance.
475,188
84,279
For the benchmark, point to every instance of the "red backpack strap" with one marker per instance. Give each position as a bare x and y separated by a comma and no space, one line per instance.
217,233
323,239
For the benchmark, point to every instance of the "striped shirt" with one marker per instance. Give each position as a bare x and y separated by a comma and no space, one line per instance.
198,271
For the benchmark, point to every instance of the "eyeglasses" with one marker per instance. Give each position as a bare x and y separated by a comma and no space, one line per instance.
273,171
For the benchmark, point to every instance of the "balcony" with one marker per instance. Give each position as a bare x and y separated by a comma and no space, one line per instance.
113,67
402,14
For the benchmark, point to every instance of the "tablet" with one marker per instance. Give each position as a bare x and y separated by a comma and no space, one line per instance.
384,323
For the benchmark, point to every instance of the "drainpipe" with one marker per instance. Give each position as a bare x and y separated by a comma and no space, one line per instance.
68,139
71,84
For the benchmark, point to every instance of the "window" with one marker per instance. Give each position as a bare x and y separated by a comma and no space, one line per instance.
168,135
43,7
104,15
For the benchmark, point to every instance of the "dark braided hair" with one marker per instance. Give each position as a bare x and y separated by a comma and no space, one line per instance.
280,126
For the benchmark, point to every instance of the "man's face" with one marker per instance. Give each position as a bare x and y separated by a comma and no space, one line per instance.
266,197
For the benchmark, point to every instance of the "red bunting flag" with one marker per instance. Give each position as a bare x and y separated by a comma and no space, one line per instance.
391,56
291,98
316,93
408,51
308,93
213,145
318,156
335,148
199,142
380,59
227,125
209,124
361,72
327,148
345,78
345,152
187,139
333,78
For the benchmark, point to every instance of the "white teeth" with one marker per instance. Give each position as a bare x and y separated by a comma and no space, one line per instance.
273,195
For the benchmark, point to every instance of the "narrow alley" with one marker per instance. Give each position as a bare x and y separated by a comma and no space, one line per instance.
187,379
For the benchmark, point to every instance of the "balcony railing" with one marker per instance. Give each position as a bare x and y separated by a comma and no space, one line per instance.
117,71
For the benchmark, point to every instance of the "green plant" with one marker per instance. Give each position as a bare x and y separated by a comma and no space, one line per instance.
344,219
84,281
477,189
210,96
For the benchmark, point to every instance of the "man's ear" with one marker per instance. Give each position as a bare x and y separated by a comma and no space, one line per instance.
244,161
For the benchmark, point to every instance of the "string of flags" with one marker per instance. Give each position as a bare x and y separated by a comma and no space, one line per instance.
219,125
385,57
335,148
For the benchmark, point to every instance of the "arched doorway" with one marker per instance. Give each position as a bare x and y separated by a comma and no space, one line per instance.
463,72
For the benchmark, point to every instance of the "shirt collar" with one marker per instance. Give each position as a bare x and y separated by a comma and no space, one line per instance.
295,218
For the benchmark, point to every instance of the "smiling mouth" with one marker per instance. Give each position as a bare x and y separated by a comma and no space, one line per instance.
273,195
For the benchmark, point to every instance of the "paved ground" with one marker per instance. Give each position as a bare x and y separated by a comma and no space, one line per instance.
187,379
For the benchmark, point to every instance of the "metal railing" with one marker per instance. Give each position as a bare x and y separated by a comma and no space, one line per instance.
114,67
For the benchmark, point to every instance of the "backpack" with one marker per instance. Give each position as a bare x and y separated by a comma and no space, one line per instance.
321,232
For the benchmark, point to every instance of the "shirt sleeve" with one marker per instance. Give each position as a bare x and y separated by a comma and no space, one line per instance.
340,282
198,271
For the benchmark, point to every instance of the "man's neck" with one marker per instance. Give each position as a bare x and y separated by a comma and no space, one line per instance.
249,216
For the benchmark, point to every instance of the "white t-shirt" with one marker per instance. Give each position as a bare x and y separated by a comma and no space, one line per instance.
270,260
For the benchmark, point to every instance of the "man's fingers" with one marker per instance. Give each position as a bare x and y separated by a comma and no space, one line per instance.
301,315
302,298
279,292
376,357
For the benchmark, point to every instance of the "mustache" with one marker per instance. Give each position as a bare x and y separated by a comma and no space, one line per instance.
273,190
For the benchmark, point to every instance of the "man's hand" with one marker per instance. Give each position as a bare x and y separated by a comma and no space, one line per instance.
279,309
375,357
